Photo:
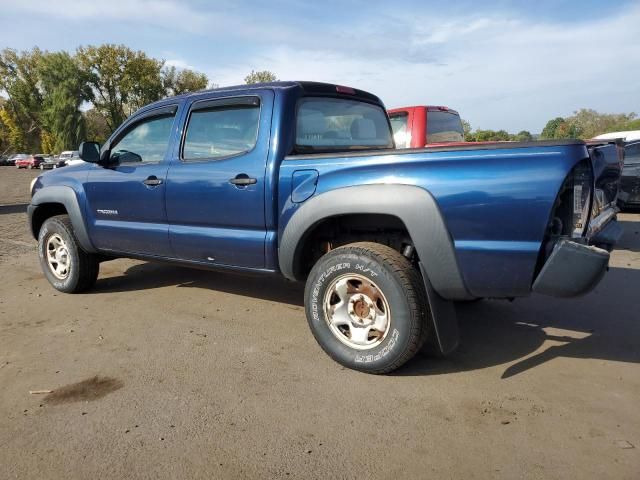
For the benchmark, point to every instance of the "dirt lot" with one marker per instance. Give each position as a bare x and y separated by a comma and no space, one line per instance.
164,372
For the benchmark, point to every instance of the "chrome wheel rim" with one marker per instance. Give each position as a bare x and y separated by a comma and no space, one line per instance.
58,256
357,311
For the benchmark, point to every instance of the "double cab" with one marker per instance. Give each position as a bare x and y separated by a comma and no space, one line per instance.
302,180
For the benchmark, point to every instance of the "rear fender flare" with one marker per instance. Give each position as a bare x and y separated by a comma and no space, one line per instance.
65,196
414,206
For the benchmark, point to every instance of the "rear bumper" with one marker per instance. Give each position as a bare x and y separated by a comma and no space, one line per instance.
572,269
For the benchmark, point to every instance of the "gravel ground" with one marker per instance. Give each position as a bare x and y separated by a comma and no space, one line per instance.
165,372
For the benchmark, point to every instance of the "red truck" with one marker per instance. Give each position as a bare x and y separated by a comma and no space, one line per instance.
419,126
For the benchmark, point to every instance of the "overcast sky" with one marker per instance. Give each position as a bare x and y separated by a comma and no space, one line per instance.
502,64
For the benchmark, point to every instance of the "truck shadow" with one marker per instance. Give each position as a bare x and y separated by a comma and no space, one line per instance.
146,276
529,332
520,335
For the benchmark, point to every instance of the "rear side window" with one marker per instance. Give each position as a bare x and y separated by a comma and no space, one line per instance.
401,134
327,124
222,130
146,141
444,127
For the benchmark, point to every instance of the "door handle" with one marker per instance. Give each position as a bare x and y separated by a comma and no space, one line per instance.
242,180
152,181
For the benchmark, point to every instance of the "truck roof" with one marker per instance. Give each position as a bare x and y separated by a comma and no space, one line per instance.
307,87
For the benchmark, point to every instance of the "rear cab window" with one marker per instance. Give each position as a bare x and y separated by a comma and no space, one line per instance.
399,126
327,124
444,126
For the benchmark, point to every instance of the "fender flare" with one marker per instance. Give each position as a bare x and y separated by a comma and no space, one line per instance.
414,206
65,196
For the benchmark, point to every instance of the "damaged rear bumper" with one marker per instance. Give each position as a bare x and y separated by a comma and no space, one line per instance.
574,268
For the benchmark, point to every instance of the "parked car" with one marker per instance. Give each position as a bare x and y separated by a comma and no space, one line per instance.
16,156
629,195
302,180
4,159
30,161
70,157
626,136
51,162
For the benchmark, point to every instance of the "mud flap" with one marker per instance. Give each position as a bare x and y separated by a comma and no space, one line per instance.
445,336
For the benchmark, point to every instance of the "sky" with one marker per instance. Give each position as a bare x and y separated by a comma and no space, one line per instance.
502,64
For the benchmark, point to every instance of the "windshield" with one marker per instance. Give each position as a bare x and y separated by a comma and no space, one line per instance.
444,127
401,134
331,124
632,154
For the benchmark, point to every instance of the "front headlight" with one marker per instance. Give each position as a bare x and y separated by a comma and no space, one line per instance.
33,182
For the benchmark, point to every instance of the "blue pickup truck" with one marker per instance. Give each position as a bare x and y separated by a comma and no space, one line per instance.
301,179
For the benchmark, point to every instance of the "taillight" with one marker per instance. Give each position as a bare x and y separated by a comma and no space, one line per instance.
347,90
582,190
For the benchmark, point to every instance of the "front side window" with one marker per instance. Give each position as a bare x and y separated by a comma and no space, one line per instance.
327,124
401,134
444,127
147,141
222,131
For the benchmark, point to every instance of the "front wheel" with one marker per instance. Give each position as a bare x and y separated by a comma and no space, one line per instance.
366,307
66,265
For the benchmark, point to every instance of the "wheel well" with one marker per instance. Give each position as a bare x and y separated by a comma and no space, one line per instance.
44,211
340,230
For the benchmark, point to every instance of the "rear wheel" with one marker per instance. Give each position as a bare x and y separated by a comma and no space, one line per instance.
66,265
366,307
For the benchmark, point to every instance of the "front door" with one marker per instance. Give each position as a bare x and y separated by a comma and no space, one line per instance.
216,182
126,197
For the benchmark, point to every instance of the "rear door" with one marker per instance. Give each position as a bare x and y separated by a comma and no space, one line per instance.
216,181
126,198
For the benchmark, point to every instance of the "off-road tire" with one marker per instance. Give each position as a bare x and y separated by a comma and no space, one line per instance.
84,267
403,289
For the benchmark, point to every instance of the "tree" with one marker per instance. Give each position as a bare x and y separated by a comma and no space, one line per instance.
549,130
64,89
260,77
177,82
97,128
19,79
14,134
466,130
522,136
121,80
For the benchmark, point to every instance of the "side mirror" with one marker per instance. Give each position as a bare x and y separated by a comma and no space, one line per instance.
90,152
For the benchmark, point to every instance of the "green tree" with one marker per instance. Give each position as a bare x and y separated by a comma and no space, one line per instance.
522,136
122,80
262,76
177,82
549,130
64,88
466,130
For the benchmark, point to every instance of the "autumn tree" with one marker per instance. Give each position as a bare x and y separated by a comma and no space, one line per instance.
22,112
